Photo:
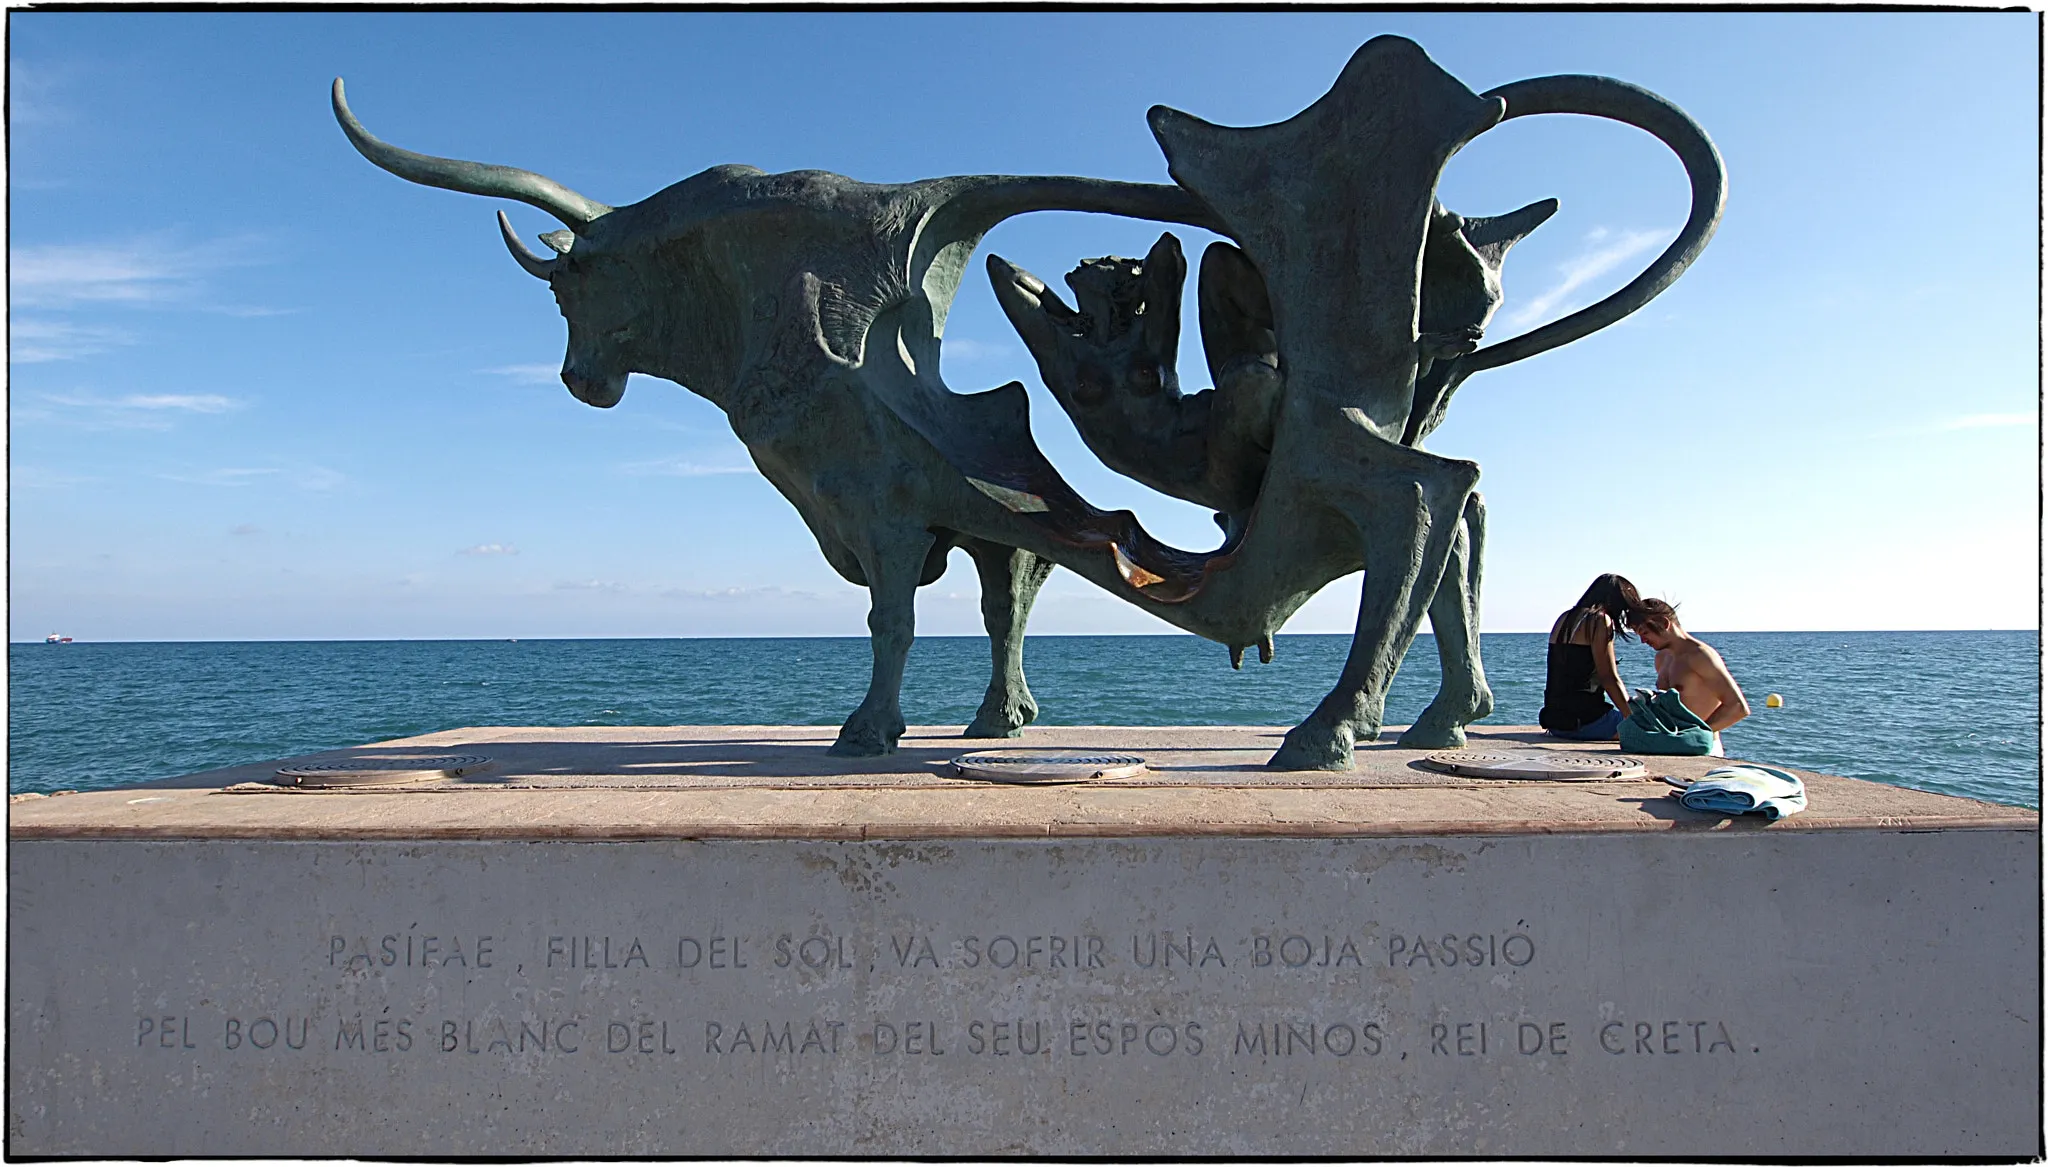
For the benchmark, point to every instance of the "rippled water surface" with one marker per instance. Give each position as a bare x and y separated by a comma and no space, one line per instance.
1954,712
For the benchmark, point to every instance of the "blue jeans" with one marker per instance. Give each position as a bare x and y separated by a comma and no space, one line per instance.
1598,730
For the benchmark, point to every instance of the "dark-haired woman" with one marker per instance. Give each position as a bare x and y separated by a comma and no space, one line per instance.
1582,676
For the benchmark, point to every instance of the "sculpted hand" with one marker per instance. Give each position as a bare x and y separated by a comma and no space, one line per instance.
1035,311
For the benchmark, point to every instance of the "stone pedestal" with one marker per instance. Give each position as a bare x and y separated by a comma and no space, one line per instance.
719,941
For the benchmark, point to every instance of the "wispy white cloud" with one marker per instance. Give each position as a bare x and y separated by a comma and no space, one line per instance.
314,477
702,431
968,349
489,549
145,411
62,276
245,529
36,95
728,595
304,477
187,402
683,468
1985,421
733,595
226,476
1604,251
22,477
34,341
148,271
528,374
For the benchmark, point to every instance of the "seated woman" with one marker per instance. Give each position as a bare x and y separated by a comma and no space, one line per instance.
1582,675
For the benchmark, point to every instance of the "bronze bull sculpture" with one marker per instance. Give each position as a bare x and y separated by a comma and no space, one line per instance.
1338,322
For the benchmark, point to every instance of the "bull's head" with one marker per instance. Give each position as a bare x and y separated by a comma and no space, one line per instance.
1461,262
608,339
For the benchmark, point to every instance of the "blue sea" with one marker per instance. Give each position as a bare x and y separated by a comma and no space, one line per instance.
1952,712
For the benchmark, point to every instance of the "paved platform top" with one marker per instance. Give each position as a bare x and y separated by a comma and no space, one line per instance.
591,782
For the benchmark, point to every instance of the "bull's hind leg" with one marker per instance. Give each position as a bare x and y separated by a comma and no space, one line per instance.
1407,508
893,563
1462,698
1010,580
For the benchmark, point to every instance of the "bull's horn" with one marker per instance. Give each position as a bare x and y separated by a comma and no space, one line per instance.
468,177
534,264
1500,232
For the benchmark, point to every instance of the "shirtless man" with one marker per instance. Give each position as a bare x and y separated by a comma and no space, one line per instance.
1692,667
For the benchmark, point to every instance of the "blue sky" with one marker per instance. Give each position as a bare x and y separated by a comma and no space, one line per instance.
260,389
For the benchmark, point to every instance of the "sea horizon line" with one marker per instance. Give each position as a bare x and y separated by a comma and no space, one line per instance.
1168,634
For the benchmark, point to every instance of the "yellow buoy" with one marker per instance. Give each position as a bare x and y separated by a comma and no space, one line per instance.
1774,702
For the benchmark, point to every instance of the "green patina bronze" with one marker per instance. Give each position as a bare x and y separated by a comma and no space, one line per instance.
1337,323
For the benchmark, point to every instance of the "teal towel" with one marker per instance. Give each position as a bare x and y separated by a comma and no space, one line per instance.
1767,790
1659,723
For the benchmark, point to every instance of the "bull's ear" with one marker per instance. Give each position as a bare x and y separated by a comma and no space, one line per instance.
1493,236
560,241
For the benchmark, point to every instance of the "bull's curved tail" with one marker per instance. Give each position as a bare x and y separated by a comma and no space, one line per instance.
1605,97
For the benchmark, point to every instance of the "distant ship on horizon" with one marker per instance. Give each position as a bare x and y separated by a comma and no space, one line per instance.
53,638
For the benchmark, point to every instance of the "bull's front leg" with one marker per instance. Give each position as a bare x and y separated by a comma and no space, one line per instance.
1010,580
1406,510
1463,697
893,564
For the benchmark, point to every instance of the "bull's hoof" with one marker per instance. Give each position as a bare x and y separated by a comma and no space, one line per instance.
1310,746
1433,732
866,737
997,725
1001,717
861,747
1442,725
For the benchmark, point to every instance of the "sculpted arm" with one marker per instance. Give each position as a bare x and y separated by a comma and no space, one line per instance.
1606,669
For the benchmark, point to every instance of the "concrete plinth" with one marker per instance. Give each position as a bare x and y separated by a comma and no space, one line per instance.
720,941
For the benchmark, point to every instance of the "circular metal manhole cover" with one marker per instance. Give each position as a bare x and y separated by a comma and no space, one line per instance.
382,771
1046,765
1536,765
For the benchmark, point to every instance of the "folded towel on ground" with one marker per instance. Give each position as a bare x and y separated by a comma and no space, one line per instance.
1659,723
1767,790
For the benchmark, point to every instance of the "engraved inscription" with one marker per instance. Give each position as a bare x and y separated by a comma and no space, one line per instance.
1666,1037
761,1037
713,952
171,1032
1473,950
595,952
1204,971
819,953
409,949
1004,1038
384,1035
262,1033
1286,1039
1302,952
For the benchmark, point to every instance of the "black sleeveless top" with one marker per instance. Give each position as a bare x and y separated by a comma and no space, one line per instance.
1571,696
